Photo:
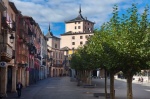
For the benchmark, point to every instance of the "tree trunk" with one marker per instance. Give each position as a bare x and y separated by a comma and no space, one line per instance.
129,87
112,91
105,84
90,79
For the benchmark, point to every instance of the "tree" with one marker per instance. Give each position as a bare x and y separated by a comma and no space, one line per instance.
123,43
83,62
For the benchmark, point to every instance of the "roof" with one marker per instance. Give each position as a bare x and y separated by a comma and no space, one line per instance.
2,6
78,18
50,34
32,21
12,5
65,48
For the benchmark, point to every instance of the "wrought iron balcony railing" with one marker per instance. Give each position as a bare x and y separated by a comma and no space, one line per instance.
6,52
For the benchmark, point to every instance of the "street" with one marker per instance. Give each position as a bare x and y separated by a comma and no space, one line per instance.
63,88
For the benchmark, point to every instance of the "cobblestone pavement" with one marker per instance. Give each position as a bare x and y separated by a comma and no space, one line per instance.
56,88
63,88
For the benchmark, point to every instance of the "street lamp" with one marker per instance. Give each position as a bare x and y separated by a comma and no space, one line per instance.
11,38
66,55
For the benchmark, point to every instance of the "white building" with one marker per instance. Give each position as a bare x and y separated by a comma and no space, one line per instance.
77,31
55,55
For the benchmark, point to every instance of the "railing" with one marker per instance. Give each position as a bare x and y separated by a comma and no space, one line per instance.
57,65
13,26
38,56
6,50
2,6
44,63
30,32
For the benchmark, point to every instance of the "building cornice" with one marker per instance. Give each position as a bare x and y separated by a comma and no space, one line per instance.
66,34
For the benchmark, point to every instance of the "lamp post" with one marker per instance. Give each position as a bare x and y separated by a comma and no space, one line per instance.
4,31
65,55
11,38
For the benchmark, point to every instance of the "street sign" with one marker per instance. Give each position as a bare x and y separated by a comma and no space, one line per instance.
2,64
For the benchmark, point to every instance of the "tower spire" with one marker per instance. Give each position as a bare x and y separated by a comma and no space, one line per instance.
80,9
49,28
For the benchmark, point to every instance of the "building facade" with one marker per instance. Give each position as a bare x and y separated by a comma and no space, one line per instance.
55,55
43,66
77,32
7,47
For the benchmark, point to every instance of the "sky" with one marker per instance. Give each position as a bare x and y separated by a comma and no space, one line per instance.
56,12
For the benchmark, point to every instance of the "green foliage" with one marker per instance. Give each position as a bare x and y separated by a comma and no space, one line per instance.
123,43
81,60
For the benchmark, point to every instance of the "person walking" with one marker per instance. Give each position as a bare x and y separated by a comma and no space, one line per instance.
19,88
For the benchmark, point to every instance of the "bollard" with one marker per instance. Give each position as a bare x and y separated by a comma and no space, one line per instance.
114,92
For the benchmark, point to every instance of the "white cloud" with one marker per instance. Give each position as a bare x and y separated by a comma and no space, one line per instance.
45,11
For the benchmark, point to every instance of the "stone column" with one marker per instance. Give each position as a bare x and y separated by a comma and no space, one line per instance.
51,71
3,82
19,74
23,76
14,79
27,78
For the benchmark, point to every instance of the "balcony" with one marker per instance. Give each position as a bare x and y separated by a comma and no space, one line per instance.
2,6
6,52
38,57
4,23
44,63
30,32
13,28
57,65
22,64
32,49
49,59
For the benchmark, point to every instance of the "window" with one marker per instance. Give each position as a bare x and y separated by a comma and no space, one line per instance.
73,50
73,37
86,42
75,27
75,22
81,43
86,36
85,27
78,22
55,45
81,37
56,54
79,27
73,43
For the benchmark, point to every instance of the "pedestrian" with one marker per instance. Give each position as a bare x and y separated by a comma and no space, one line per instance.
139,80
19,87
142,79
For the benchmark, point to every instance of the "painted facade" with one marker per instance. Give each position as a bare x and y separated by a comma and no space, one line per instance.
76,32
7,28
55,55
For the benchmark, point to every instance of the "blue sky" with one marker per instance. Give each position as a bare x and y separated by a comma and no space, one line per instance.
56,12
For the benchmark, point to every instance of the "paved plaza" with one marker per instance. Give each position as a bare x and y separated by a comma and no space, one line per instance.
63,88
